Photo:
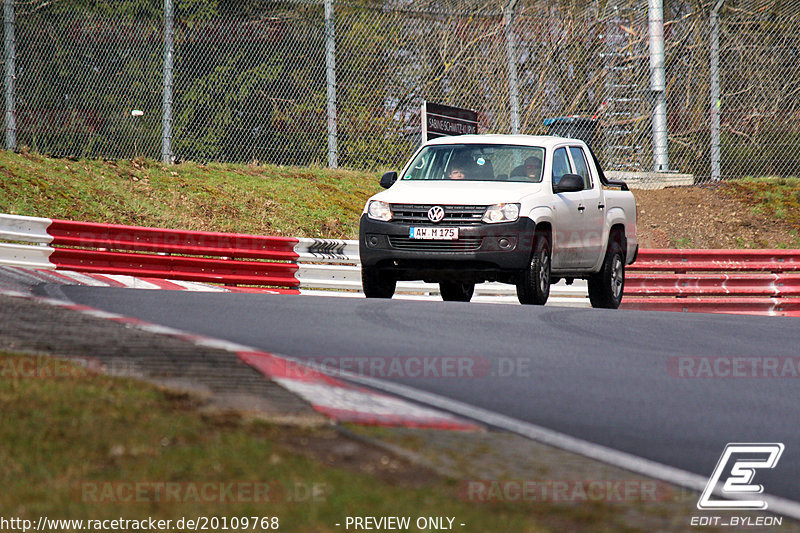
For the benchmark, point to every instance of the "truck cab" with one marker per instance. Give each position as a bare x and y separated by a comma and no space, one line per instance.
524,210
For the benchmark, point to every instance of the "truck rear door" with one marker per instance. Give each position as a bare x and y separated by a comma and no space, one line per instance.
594,213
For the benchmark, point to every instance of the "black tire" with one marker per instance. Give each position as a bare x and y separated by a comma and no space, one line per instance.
534,287
377,284
455,291
606,287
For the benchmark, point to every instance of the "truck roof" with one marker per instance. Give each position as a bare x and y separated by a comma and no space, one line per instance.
545,141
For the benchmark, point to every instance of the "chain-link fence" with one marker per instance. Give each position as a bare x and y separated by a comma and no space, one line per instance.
272,82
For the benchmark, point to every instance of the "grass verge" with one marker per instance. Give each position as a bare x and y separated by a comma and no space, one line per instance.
255,199
83,446
772,198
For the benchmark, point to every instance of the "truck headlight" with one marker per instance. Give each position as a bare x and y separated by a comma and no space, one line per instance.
501,213
379,211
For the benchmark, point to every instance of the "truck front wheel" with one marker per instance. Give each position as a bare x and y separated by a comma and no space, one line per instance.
455,291
534,286
377,284
606,287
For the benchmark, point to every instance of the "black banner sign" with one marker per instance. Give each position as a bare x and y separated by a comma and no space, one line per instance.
441,120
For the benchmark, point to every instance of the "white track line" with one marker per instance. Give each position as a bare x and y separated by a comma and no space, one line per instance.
554,438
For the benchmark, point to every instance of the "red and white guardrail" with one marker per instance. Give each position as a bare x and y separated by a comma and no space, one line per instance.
732,281
233,259
753,282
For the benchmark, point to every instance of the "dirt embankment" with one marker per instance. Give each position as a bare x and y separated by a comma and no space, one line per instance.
706,217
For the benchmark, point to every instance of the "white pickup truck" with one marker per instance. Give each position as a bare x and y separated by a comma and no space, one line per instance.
515,209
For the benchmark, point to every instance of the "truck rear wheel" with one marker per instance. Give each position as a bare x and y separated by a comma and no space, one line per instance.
606,287
377,284
534,287
455,291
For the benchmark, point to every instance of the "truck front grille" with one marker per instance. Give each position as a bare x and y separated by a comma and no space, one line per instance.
454,215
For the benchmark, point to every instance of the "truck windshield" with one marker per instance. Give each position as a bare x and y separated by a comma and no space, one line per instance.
478,162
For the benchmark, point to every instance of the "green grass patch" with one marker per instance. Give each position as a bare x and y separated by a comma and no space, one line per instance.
254,199
75,444
771,198
682,242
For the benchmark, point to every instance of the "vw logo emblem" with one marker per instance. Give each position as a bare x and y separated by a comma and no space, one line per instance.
435,213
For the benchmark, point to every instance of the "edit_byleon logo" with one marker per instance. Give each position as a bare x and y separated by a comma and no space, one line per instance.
736,469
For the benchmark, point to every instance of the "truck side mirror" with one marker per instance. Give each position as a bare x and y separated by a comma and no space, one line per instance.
569,183
388,179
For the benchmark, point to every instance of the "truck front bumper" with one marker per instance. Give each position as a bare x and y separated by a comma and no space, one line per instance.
485,252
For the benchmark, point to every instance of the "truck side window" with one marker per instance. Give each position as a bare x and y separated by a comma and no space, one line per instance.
560,165
581,168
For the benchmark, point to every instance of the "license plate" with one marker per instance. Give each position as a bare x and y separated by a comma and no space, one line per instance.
443,234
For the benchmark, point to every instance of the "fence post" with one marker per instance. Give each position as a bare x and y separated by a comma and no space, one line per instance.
513,84
658,86
330,77
11,56
166,125
716,103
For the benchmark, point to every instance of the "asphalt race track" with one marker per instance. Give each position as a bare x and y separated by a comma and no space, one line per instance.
608,377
